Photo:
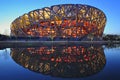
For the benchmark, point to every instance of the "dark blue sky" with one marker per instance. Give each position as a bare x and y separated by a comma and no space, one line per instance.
11,9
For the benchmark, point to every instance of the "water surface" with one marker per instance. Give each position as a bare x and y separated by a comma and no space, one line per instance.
63,62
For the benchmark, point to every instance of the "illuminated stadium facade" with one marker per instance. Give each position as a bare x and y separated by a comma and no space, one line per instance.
61,61
66,21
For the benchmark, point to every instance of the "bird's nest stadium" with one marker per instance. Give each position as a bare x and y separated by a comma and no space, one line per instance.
61,22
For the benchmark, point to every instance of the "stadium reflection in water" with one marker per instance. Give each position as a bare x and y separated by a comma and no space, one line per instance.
61,61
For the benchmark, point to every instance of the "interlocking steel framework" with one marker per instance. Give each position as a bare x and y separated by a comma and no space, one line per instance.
61,21
65,61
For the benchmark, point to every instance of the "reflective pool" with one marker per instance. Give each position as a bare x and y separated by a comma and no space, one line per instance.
63,62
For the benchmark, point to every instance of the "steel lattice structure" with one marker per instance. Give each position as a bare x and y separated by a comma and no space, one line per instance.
61,61
61,21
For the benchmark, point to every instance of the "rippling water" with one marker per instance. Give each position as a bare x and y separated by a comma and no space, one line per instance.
63,62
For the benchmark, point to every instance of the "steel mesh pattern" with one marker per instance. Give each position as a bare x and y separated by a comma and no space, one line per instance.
63,61
61,21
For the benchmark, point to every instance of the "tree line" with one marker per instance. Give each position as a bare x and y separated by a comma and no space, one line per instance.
107,37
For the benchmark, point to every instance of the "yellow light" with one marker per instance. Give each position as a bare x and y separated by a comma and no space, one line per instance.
63,36
53,31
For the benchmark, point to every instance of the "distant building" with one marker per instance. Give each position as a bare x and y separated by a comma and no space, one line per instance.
65,21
